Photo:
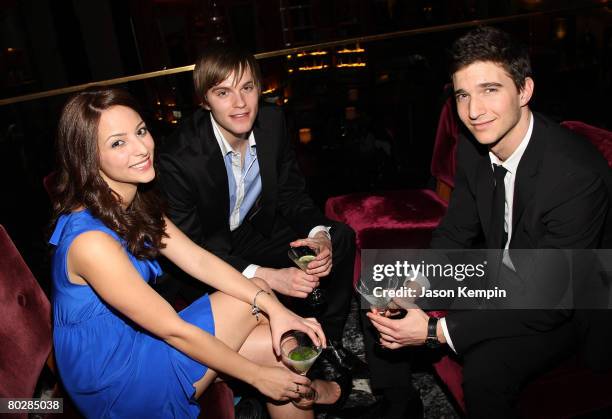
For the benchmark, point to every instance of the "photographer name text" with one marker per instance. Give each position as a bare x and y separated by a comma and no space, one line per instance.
460,292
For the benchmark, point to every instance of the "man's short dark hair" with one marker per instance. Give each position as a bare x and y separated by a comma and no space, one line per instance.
217,62
490,44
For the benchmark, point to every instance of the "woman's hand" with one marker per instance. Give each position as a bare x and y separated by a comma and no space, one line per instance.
284,320
279,383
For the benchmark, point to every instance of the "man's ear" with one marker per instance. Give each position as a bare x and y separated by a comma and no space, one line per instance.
527,91
205,104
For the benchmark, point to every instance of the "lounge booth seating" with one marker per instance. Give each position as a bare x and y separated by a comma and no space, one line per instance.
25,325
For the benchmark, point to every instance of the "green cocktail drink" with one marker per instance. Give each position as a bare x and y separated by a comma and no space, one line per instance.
302,357
304,261
299,354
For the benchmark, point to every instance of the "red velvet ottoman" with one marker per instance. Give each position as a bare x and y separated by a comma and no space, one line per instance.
388,220
402,219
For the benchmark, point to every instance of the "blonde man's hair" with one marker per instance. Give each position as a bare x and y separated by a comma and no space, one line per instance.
217,63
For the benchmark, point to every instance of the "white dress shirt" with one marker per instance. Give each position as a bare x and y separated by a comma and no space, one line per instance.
239,209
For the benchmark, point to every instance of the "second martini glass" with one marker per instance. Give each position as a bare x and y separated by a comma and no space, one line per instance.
299,354
381,302
302,256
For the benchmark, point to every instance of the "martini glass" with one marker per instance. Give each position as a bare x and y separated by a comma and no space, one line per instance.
302,256
381,301
299,353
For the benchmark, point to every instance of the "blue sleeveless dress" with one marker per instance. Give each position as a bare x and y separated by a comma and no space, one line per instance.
111,367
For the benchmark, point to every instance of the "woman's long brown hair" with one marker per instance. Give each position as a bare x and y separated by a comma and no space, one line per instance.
78,182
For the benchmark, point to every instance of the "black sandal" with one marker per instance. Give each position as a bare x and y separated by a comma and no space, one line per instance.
345,382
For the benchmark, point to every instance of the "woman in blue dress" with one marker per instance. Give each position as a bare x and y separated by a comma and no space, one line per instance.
121,349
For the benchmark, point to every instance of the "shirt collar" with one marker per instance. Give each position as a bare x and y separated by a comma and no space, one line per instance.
225,147
512,162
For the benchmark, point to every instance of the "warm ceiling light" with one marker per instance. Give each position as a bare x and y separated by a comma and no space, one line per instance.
305,135
314,53
350,51
351,65
560,28
313,67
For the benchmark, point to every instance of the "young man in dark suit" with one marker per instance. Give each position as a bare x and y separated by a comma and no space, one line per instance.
233,186
522,182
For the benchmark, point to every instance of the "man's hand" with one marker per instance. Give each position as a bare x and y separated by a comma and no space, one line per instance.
413,289
321,266
408,331
289,281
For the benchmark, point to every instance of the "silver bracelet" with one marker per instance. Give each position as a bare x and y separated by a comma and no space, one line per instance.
255,310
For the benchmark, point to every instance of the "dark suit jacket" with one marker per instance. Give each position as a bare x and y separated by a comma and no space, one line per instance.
193,178
562,195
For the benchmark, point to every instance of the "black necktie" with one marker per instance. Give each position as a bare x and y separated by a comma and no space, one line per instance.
497,234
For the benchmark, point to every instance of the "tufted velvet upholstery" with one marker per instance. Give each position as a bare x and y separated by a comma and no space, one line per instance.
25,323
443,156
390,219
551,395
600,138
404,218
217,402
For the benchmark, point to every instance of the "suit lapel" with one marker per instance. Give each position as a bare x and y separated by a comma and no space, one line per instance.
264,143
528,168
266,140
215,168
